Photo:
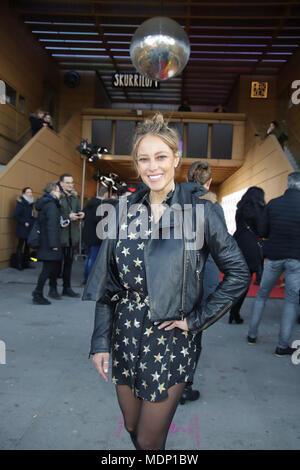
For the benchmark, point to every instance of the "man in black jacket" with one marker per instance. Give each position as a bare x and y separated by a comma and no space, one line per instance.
281,226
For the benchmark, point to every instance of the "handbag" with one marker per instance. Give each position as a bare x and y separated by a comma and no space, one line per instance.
34,237
258,243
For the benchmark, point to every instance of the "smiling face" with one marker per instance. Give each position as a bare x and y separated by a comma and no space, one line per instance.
156,164
67,184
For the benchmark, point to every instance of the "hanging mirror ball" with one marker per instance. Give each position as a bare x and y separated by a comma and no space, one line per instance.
160,48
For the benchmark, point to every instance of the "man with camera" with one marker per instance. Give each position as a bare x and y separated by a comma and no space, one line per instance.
70,214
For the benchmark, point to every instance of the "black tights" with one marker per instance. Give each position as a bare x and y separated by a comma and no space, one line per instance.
148,422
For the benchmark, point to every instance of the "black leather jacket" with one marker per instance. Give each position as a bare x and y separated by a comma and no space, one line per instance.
174,270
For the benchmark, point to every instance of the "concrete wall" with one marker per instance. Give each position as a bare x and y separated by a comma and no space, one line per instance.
43,159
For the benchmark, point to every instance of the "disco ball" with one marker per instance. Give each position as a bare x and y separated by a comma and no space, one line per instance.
160,48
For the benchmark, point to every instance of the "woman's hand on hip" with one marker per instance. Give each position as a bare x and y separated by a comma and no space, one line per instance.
101,361
170,325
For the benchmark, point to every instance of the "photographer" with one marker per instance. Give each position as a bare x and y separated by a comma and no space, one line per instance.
70,213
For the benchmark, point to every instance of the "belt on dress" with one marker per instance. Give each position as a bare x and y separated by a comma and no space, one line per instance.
138,297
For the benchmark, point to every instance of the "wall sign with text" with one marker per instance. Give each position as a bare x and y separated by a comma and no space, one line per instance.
259,89
133,80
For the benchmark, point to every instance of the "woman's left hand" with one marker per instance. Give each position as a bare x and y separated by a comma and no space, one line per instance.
170,325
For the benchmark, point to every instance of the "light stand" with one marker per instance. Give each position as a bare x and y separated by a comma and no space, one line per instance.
91,153
84,159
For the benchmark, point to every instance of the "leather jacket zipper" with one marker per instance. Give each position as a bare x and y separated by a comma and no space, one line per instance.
197,265
216,317
184,277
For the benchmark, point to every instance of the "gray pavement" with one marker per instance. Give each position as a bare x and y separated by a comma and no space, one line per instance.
51,397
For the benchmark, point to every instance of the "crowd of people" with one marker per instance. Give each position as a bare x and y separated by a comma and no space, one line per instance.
147,329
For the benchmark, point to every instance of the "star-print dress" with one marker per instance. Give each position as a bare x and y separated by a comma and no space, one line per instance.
147,359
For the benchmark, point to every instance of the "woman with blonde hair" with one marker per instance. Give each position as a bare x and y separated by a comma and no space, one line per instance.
147,284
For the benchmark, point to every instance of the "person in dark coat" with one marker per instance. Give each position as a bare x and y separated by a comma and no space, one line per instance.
89,235
25,218
49,251
200,173
248,216
37,121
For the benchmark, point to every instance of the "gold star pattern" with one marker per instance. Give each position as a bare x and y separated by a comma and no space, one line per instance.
137,262
125,372
149,363
161,340
184,351
161,387
158,357
155,376
126,269
143,366
138,279
132,356
148,331
132,236
125,251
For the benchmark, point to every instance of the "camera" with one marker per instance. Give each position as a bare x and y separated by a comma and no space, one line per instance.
92,152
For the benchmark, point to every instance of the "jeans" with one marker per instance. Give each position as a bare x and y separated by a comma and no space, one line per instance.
272,270
92,255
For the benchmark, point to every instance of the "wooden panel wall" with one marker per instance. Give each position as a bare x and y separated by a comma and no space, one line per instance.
75,99
266,166
43,159
27,68
288,111
260,111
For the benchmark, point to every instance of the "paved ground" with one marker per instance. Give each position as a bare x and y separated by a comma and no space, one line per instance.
51,397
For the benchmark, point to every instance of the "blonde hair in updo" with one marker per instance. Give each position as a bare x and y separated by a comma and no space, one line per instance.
158,127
